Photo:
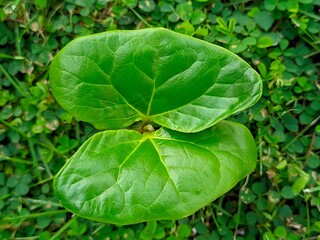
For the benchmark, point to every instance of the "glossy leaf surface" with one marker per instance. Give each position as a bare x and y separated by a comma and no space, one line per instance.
114,79
125,177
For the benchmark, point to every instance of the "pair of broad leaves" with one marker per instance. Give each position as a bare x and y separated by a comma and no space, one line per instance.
182,85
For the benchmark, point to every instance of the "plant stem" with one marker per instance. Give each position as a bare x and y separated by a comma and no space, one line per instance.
214,217
239,209
308,217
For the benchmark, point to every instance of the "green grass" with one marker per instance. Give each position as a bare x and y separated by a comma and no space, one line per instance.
279,200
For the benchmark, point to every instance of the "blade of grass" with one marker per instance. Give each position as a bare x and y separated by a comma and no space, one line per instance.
34,215
98,229
243,184
214,217
6,56
63,228
302,132
41,202
26,238
42,182
310,190
18,160
13,82
260,151
3,197
310,14
18,39
140,17
308,217
221,210
45,164
35,159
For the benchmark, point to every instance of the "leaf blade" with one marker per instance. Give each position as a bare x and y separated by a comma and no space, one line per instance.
126,76
124,177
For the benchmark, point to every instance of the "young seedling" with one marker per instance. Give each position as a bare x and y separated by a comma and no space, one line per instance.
160,98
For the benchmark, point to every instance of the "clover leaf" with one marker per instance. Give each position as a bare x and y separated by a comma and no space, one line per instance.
178,89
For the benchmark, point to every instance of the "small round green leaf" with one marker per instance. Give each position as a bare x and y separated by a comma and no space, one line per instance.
184,230
185,11
280,232
198,17
264,20
147,5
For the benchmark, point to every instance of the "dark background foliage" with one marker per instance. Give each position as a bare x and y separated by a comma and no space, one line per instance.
279,38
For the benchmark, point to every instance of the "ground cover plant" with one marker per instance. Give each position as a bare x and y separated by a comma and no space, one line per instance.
280,39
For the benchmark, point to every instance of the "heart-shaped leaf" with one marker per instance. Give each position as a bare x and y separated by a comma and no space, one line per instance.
114,79
125,177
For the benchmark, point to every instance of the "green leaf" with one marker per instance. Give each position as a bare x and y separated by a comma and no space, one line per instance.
262,69
184,230
231,25
41,3
270,5
268,236
167,8
237,48
185,28
264,20
251,218
147,5
265,41
305,1
198,17
300,183
202,32
293,6
22,189
173,17
290,123
85,3
114,79
149,230
124,177
66,144
249,41
313,162
287,192
185,11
